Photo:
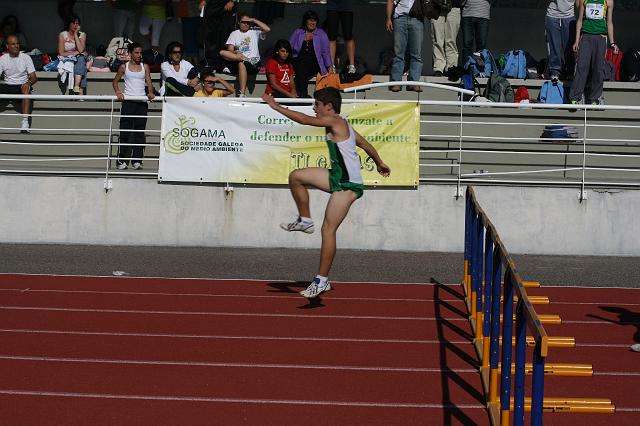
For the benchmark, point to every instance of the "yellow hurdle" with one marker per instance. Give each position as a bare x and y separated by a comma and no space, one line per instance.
573,405
559,369
553,342
544,318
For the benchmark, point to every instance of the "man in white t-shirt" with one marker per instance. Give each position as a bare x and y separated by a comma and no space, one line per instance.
19,76
242,48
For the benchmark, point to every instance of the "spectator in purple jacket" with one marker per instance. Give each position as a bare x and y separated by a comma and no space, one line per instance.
310,46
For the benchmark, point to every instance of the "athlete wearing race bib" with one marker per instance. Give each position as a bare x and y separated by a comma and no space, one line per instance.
594,27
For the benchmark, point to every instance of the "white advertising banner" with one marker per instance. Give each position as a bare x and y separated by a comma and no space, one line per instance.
222,140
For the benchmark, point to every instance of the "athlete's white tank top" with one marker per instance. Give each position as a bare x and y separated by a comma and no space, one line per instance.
348,158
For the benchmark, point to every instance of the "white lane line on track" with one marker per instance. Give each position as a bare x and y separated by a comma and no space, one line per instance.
252,280
240,400
222,337
244,296
612,322
238,365
553,302
604,345
616,373
230,314
589,286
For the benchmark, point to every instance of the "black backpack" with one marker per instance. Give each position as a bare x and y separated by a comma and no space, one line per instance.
630,65
425,8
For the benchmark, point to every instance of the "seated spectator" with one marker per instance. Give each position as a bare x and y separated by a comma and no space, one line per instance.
209,89
19,76
100,62
280,74
72,44
310,46
242,52
133,114
341,12
179,77
10,26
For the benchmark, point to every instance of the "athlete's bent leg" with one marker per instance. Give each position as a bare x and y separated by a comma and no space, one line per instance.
337,209
299,180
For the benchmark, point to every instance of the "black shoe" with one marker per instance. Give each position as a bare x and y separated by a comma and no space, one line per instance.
395,88
438,74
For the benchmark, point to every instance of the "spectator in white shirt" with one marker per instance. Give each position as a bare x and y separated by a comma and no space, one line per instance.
242,48
19,77
179,77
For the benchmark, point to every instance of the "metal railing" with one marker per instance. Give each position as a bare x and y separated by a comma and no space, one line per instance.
461,142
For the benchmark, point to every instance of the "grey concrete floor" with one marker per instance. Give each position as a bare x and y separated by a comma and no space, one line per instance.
301,265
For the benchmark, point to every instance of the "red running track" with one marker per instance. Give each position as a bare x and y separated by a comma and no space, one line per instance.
105,350
605,322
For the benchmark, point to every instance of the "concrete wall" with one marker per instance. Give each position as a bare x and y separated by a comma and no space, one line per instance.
143,212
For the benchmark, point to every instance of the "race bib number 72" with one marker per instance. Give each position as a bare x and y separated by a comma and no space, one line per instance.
594,11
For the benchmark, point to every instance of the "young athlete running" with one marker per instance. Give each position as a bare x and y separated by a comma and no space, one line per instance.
343,180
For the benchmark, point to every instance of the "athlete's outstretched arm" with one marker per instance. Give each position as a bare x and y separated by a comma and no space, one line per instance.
383,169
296,116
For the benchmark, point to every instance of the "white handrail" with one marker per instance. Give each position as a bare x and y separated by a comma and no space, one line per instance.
409,83
609,149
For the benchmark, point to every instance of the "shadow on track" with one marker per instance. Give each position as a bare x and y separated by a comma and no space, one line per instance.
448,376
295,288
625,317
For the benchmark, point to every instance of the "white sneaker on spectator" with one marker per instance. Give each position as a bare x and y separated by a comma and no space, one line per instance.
351,69
226,70
305,226
137,165
315,289
24,128
121,165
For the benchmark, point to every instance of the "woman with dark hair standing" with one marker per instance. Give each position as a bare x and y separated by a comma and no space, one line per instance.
179,77
72,43
310,46
280,73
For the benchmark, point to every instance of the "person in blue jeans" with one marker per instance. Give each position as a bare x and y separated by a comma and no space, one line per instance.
475,27
560,28
408,32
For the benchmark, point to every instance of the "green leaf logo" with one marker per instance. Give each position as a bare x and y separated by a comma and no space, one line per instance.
177,141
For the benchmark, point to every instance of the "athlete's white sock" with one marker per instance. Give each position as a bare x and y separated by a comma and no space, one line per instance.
323,280
306,219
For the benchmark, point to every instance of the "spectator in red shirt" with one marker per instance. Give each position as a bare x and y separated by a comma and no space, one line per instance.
280,72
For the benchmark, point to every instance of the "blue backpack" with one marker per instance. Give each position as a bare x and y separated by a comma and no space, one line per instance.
470,83
551,93
515,64
482,65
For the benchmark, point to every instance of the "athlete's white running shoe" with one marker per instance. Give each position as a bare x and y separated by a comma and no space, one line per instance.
299,225
635,348
315,289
